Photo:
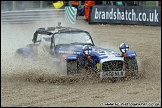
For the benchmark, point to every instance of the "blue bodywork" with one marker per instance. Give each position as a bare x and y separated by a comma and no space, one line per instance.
92,57
75,52
131,54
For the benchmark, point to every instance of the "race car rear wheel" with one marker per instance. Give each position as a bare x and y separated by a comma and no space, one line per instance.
29,51
34,48
72,67
18,54
131,66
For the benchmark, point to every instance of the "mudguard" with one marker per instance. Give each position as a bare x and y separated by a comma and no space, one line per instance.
131,54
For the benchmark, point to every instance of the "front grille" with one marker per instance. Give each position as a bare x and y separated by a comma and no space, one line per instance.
115,65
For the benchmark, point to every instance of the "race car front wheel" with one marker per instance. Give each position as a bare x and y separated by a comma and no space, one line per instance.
72,67
131,66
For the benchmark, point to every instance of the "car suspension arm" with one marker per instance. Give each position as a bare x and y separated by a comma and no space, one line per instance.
45,31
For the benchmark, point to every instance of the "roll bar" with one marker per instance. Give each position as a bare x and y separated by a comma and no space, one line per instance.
46,31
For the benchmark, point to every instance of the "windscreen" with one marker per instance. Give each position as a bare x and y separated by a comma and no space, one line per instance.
72,38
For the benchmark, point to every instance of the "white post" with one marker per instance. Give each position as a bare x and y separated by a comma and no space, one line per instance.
70,3
156,3
79,3
41,4
104,2
14,5
111,2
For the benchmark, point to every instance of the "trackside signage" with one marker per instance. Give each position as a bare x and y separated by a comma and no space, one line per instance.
146,15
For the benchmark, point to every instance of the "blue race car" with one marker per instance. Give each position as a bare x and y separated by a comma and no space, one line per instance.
75,47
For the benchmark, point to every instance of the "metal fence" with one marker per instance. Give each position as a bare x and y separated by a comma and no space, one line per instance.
27,16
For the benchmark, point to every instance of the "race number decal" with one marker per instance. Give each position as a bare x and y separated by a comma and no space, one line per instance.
100,51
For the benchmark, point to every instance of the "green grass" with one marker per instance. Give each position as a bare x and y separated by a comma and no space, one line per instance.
151,3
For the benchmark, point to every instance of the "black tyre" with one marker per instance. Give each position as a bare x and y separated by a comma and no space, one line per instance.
72,67
114,79
131,66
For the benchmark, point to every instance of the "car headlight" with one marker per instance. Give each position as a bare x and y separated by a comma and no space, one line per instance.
87,50
124,47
